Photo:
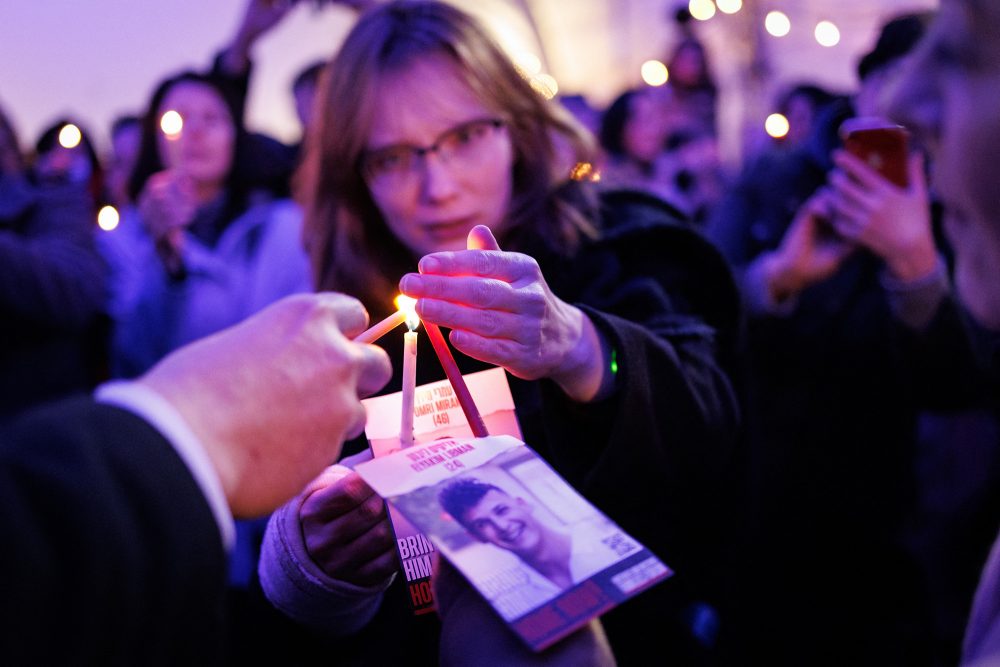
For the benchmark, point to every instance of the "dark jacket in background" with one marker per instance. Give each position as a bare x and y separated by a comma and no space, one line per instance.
52,286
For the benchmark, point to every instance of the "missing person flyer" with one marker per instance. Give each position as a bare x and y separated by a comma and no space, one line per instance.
437,414
546,559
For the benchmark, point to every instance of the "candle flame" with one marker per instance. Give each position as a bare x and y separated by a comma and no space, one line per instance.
172,123
408,306
70,136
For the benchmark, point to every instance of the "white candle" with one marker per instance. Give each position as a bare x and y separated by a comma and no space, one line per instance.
409,387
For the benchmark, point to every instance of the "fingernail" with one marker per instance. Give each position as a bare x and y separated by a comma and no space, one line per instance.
409,283
429,265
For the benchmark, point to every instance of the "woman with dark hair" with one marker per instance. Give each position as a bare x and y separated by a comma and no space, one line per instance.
69,161
690,94
200,251
802,105
688,67
435,168
201,164
634,134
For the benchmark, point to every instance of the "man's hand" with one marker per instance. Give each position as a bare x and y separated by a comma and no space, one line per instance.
273,398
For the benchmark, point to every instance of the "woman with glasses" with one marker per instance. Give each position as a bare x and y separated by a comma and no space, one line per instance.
437,170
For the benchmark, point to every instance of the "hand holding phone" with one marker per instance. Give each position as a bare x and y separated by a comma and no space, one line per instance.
889,212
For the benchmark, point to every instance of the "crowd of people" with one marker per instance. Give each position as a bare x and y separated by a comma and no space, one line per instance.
781,381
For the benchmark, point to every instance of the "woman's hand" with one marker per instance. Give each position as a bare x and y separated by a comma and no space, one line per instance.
346,529
167,205
501,311
809,252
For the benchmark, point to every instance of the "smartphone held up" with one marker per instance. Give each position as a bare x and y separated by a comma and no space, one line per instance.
881,144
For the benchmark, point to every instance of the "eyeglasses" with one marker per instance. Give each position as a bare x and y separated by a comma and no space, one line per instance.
460,147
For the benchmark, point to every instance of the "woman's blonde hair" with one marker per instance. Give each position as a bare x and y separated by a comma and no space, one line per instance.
352,248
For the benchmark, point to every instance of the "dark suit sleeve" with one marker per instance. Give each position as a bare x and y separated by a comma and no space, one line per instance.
113,555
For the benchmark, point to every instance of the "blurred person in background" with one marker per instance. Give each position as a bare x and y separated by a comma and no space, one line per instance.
126,137
211,248
633,134
202,249
835,263
801,105
52,283
691,92
269,163
64,154
946,96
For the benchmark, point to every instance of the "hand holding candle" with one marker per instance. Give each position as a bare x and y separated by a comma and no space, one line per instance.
167,205
462,392
501,311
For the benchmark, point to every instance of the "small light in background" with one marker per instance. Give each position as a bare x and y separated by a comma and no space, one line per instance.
70,136
729,6
701,10
107,218
528,62
546,85
171,123
654,73
827,33
777,24
584,171
776,125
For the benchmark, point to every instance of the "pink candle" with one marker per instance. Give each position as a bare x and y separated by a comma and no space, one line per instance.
457,381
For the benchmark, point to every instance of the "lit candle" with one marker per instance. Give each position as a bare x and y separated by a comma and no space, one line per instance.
171,123
457,381
168,245
409,376
404,306
172,126
375,332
